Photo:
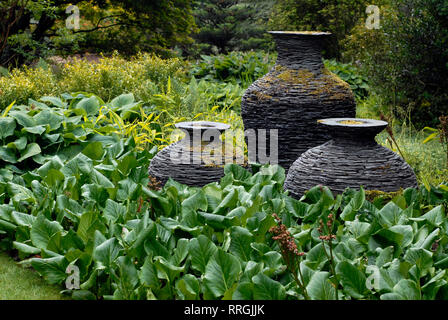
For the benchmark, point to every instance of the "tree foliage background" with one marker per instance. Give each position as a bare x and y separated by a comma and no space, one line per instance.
129,26
229,25
406,60
335,16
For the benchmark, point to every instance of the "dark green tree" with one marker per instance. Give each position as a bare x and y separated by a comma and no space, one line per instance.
228,25
158,24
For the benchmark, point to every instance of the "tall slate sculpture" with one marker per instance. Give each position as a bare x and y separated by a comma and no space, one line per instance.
351,159
297,92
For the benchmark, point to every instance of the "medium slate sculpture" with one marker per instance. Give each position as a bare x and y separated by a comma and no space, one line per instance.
351,159
297,92
193,160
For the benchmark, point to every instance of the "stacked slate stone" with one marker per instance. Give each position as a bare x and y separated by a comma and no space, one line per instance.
297,92
184,162
351,159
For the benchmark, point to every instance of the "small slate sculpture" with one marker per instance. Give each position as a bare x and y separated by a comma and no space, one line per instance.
297,92
352,159
197,159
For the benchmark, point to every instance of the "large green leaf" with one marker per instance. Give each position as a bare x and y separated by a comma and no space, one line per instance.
88,224
122,100
352,279
94,150
26,249
390,215
217,221
221,272
201,249
23,118
50,118
42,230
237,172
128,277
19,144
31,150
53,177
420,258
96,193
400,235
8,155
20,193
316,257
128,189
188,287
23,219
240,243
167,270
404,290
98,178
228,203
106,253
90,106
244,291
267,289
38,130
320,287
7,126
55,101
148,274
53,269
435,217
355,204
114,211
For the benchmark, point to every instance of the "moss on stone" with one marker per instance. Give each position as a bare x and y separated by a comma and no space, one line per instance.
262,96
371,195
330,82
324,83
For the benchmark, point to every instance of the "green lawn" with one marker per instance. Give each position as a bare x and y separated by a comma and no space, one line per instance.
19,283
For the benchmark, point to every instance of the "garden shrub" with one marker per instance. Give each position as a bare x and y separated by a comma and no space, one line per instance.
406,59
237,67
229,25
352,75
26,83
144,75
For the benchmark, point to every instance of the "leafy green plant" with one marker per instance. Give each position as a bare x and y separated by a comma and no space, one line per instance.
133,242
30,135
228,25
350,74
235,67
